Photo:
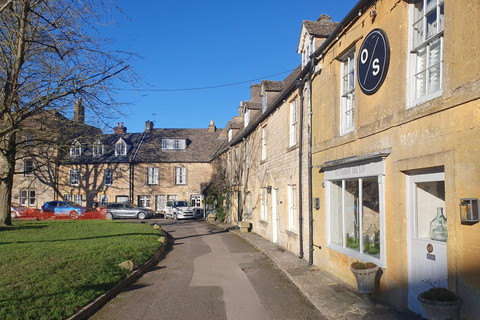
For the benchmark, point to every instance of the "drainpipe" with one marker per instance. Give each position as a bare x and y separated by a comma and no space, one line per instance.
309,156
244,177
300,84
230,192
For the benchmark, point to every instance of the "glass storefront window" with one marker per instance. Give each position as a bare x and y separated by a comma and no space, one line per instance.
353,226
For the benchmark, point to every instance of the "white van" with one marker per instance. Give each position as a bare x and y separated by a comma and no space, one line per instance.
179,209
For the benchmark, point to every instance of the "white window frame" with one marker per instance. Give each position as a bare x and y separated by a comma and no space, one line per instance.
174,144
375,168
28,167
122,199
160,202
152,175
308,51
121,148
293,123
103,200
264,143
264,102
74,177
292,208
418,26
108,177
76,149
77,198
246,118
67,197
145,201
263,204
230,135
347,92
98,149
180,175
27,197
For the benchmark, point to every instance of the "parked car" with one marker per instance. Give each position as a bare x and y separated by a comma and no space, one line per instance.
18,211
179,210
65,209
127,210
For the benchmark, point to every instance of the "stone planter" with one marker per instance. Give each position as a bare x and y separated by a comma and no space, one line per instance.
244,226
365,274
440,310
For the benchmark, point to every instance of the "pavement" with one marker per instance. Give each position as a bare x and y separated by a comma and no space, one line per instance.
333,297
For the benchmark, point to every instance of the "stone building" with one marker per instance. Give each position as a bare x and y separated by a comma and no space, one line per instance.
395,140
146,168
390,130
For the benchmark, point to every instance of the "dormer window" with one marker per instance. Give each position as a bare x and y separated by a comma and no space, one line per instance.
308,50
264,102
121,148
174,144
76,149
230,135
246,119
98,149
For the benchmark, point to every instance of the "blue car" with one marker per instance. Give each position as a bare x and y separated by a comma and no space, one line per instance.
64,209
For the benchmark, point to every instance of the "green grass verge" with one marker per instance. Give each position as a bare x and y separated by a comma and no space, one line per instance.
50,269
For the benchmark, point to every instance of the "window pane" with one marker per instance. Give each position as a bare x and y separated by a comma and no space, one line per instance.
431,24
421,60
371,217
418,33
351,214
336,221
430,196
440,19
434,55
434,79
430,5
420,85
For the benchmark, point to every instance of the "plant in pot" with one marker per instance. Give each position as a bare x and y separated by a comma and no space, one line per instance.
365,274
440,303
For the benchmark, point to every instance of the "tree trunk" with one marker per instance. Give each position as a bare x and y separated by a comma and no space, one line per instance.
7,168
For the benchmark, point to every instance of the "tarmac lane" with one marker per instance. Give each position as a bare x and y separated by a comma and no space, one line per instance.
207,273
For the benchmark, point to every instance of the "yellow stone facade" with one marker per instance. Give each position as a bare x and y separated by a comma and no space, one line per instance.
441,134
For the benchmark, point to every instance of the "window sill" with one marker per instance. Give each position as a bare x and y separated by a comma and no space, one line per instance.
416,102
263,161
291,234
291,148
356,255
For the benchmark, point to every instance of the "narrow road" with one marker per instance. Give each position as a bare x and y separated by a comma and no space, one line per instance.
207,273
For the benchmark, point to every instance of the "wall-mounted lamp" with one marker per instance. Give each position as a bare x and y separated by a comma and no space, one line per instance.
316,203
469,210
269,189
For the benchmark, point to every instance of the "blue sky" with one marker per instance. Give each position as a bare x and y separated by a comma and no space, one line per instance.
197,44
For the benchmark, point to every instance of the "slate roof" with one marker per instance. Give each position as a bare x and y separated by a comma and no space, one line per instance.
201,146
320,28
147,147
270,85
252,105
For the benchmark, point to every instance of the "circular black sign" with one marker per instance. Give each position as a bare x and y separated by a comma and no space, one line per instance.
373,61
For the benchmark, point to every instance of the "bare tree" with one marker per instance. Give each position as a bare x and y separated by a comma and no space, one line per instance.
51,55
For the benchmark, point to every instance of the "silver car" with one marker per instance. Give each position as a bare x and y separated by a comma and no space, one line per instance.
127,210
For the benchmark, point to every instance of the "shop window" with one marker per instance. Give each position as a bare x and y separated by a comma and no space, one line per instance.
355,211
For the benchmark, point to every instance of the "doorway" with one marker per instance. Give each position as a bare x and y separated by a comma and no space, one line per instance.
427,243
275,222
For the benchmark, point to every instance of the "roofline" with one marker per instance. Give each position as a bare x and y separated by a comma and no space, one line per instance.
352,16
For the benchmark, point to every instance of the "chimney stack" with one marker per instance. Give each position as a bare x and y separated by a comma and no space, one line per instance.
148,126
79,112
119,129
211,127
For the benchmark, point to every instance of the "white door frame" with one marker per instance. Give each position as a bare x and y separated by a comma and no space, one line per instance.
411,202
275,221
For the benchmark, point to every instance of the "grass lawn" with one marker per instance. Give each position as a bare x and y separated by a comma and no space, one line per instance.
49,269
